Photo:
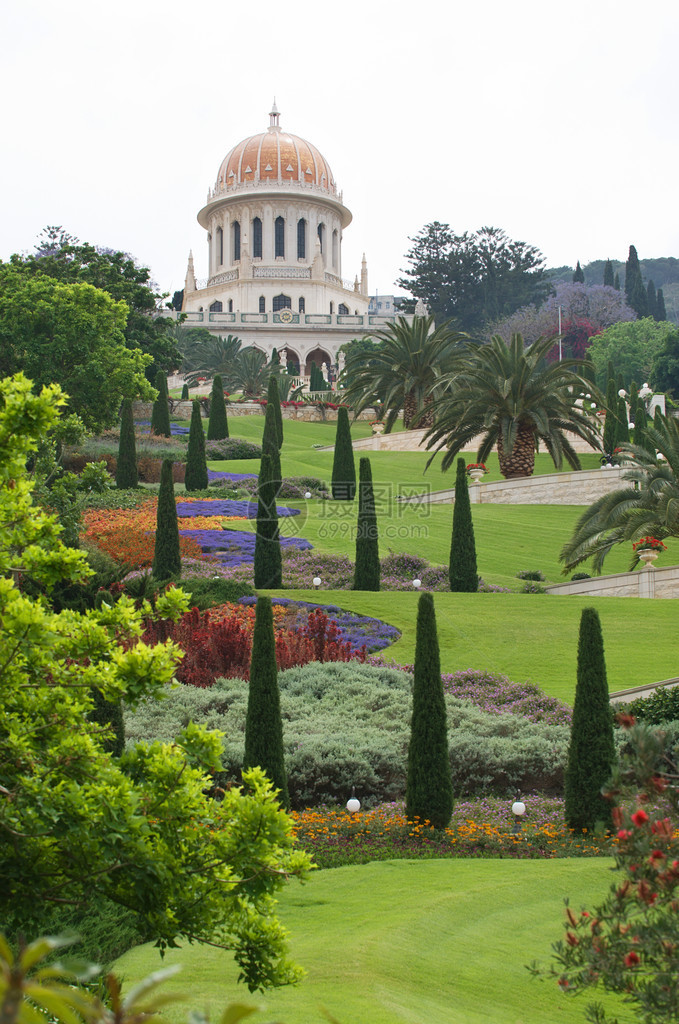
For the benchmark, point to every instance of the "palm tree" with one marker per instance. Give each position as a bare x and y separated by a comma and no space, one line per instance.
513,398
249,373
403,371
203,355
648,506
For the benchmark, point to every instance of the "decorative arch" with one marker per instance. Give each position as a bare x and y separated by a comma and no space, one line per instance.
220,247
279,237
301,239
216,307
321,236
257,238
317,356
342,309
292,361
335,249
301,305
235,236
281,302
262,304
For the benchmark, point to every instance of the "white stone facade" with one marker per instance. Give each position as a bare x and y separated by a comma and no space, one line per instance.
274,223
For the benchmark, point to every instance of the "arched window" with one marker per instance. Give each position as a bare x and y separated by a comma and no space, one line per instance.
342,309
216,307
230,305
332,308
301,239
321,234
236,241
302,305
279,237
262,304
257,238
281,302
335,250
220,246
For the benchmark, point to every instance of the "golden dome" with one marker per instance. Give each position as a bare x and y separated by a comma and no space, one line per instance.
275,157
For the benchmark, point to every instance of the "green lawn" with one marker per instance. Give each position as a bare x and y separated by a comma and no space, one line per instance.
419,942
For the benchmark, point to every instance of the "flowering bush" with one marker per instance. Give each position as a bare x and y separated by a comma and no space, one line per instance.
476,465
649,543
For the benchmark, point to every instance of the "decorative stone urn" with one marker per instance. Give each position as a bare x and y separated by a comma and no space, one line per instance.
477,475
378,428
648,556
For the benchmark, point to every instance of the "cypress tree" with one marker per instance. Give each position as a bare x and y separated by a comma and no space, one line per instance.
462,564
270,445
652,300
263,724
268,570
578,275
126,466
635,293
660,313
609,279
367,571
185,393
274,400
275,358
611,417
343,465
616,282
429,788
621,427
634,401
167,562
218,426
591,753
160,414
639,302
195,478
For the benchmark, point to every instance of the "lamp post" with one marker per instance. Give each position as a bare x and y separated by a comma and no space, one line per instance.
353,803
307,495
317,582
417,584
518,810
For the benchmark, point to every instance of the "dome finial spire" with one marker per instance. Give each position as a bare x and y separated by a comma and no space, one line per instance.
274,116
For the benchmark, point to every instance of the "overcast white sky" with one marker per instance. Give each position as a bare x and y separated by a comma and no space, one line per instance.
556,123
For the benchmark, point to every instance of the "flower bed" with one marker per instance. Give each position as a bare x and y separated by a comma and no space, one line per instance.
361,632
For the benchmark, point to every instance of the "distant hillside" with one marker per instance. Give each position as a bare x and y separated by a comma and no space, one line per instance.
663,272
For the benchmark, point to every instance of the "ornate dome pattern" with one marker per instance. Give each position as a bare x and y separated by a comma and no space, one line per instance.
275,157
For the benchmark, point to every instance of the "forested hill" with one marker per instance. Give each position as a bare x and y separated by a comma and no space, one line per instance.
663,272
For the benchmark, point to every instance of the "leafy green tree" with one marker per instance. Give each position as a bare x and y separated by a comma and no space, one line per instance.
343,464
203,355
462,563
591,752
632,346
274,400
367,569
429,788
109,715
167,561
79,827
513,398
71,335
263,723
647,505
126,466
578,275
160,414
218,425
196,478
64,258
473,278
410,360
268,571
609,279
665,369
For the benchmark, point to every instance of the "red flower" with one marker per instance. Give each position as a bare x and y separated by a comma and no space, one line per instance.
632,959
624,833
640,817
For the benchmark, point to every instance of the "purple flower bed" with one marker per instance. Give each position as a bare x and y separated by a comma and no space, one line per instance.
174,427
358,630
234,478
227,507
235,547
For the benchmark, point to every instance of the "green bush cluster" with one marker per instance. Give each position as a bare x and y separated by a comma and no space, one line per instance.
206,593
232,448
661,706
347,724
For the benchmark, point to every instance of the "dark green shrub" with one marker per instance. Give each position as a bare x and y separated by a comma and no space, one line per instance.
531,574
105,930
591,753
533,588
367,572
185,393
462,572
80,597
268,571
232,448
274,400
126,466
160,414
580,576
429,790
218,426
270,445
343,465
109,715
660,706
263,724
206,593
195,478
167,562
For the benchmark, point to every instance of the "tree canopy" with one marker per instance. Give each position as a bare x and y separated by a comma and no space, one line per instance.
473,278
64,258
78,825
72,335
631,347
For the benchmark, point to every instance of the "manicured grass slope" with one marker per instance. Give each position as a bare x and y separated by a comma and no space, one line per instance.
444,942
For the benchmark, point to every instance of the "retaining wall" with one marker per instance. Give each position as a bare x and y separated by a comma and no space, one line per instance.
580,487
646,582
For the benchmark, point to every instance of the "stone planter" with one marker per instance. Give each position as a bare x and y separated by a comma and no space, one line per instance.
477,475
648,556
378,428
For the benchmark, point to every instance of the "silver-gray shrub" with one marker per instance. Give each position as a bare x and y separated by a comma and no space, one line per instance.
347,724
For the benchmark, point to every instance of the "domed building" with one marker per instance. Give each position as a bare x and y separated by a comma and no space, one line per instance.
274,223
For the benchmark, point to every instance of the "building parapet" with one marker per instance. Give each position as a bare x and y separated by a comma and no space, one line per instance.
282,318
